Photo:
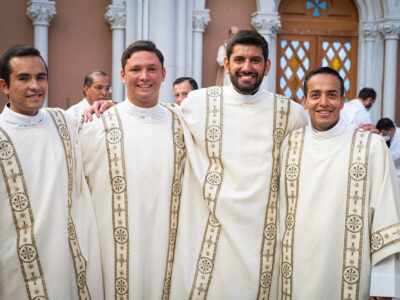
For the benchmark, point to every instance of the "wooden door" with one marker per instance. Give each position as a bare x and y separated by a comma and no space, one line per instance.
316,33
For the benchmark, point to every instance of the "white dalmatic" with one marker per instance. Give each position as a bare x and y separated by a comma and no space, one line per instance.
48,237
227,234
133,160
339,212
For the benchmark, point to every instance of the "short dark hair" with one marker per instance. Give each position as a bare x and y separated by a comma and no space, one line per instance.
192,82
16,51
247,37
385,124
323,70
366,93
88,81
141,45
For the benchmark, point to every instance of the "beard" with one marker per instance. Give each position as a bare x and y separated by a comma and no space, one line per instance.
246,89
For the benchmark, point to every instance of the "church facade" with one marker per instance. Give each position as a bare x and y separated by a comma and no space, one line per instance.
359,38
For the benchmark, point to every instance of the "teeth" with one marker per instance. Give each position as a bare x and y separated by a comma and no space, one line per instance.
247,77
144,86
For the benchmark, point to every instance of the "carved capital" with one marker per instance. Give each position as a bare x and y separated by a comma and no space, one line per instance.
41,12
369,30
116,15
390,29
266,24
201,18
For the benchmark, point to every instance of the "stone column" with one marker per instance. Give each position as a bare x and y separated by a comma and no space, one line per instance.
201,17
41,12
116,16
369,30
267,24
390,30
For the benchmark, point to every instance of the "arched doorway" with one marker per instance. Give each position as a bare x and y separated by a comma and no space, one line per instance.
316,33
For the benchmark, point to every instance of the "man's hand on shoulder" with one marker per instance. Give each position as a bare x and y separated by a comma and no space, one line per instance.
97,108
369,127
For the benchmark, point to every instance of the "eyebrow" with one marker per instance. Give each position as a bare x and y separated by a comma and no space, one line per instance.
28,74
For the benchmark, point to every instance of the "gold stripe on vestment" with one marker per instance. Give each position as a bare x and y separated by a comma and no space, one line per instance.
77,257
21,210
176,191
114,137
385,237
211,187
292,175
355,209
267,255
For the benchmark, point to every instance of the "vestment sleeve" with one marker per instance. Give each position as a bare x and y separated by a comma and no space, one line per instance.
384,202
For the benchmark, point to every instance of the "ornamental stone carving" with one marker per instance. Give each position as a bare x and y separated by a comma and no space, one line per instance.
390,29
41,12
201,18
266,23
116,16
369,30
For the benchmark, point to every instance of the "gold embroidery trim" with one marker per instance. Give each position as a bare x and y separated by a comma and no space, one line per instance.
267,255
385,237
292,175
355,209
211,187
27,251
77,257
176,191
116,162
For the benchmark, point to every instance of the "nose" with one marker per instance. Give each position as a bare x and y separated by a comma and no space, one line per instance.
34,84
144,74
246,65
324,99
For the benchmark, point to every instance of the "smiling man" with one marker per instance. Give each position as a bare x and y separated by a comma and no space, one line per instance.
226,242
339,206
133,160
96,86
48,238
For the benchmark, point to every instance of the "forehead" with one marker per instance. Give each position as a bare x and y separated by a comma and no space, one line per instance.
324,82
98,78
27,64
143,58
183,86
247,50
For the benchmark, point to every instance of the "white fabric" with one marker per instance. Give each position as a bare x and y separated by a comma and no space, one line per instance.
395,151
241,205
321,208
79,109
148,148
354,112
41,154
385,278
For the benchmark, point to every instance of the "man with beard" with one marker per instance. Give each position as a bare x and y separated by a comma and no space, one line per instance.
357,111
226,243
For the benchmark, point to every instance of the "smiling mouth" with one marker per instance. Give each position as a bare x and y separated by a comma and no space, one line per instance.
145,86
324,112
247,76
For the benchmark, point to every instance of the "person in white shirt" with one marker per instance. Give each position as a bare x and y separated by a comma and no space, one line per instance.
391,134
96,86
133,159
357,111
339,208
49,246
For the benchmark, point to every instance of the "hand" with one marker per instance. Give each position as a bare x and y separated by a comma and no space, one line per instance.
369,127
380,298
97,108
